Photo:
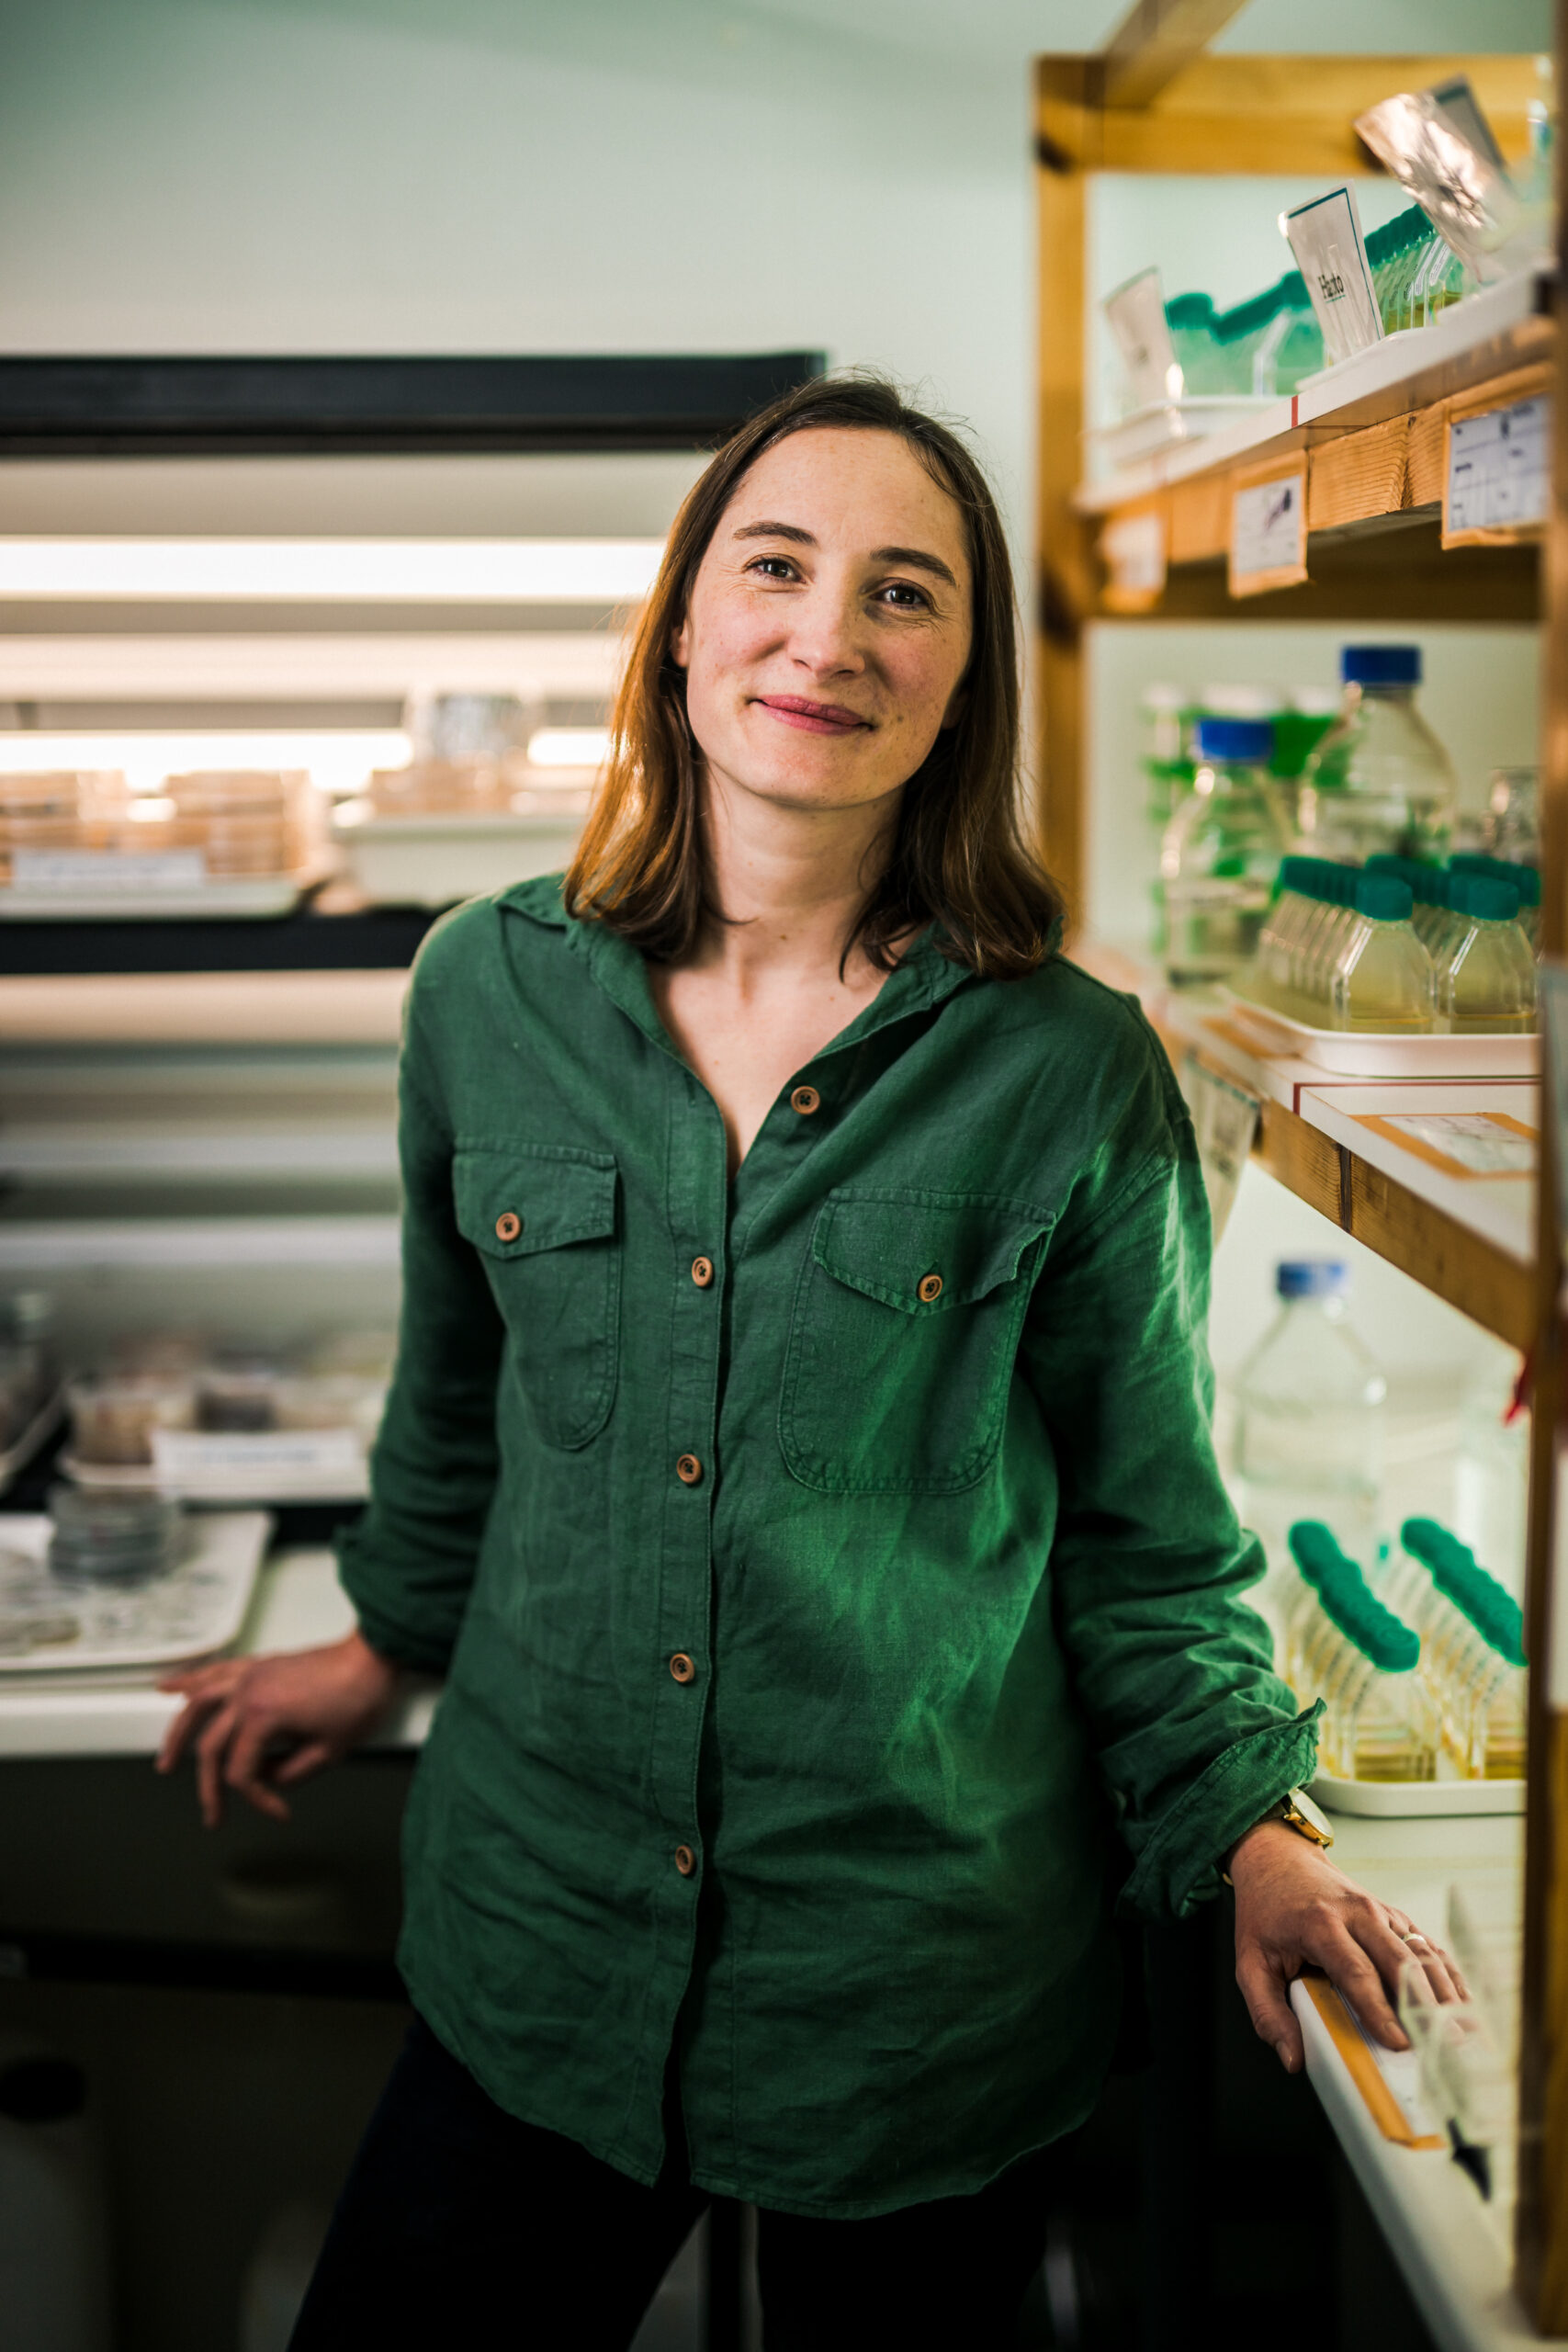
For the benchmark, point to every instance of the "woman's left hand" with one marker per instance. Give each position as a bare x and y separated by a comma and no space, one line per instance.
1294,1907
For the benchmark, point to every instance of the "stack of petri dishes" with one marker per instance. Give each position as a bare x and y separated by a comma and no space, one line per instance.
112,1539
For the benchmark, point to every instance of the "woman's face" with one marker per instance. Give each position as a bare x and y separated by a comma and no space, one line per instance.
828,627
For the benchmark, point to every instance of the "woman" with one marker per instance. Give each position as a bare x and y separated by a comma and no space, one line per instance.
798,1465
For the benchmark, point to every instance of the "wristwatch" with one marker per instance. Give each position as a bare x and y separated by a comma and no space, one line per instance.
1297,1811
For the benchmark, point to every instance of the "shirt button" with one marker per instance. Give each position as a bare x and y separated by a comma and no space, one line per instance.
508,1225
683,1669
929,1287
702,1271
689,1470
685,1861
806,1100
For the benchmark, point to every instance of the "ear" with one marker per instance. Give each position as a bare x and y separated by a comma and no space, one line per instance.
679,644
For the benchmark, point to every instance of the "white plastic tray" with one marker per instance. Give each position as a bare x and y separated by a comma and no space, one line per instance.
197,1608
1382,1800
433,861
251,895
264,1482
1365,1054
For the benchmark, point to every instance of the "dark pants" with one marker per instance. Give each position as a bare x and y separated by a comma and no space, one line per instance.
459,2226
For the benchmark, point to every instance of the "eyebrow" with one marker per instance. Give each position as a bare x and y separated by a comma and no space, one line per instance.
916,559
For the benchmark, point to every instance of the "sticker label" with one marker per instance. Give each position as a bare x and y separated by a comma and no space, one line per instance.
1463,1143
1133,550
1499,475
1268,540
195,1454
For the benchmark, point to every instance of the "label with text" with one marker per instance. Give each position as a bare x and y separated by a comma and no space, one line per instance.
1499,474
1268,538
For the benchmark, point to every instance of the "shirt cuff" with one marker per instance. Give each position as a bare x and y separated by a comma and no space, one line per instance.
1179,1867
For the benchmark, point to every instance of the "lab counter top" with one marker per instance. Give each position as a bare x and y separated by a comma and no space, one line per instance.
297,1602
1452,2249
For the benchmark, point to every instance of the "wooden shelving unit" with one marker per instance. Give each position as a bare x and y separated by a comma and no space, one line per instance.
1370,437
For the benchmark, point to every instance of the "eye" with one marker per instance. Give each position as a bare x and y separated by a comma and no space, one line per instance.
905,596
773,567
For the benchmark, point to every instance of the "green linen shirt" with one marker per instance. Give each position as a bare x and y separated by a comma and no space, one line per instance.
919,1482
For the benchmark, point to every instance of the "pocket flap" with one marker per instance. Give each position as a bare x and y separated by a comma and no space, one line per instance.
514,1200
889,1244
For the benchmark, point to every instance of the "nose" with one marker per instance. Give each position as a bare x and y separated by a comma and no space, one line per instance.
826,638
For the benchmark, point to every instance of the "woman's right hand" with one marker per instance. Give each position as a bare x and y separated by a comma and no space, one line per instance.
260,1724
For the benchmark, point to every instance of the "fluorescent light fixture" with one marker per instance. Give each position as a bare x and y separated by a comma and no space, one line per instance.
476,571
569,747
339,760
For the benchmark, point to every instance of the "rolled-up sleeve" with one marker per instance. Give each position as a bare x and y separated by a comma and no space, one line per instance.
409,1565
1194,1735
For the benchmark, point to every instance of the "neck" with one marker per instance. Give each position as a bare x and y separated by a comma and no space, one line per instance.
790,882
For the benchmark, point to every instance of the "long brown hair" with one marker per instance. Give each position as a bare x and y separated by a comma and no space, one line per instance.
958,858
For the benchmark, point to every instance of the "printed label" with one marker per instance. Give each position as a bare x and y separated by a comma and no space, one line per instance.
1499,475
1267,542
182,1455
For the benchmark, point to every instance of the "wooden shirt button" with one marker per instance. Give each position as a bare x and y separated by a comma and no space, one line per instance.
689,1470
806,1100
685,1861
682,1668
508,1225
928,1288
702,1271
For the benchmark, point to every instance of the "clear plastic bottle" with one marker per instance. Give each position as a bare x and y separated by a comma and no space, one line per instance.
1473,1658
1379,779
1481,865
1377,1726
1486,984
1309,1424
1383,978
1221,855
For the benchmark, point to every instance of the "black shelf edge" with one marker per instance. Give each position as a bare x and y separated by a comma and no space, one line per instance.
378,939
178,406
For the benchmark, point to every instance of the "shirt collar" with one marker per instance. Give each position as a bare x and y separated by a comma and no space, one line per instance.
923,975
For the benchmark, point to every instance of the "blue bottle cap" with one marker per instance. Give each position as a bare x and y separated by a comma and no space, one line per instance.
1381,665
1312,1278
1235,739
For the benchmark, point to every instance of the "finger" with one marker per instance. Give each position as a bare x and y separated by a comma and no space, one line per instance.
210,1753
1263,1988
1440,1973
311,1757
1362,1972
244,1763
210,1676
182,1730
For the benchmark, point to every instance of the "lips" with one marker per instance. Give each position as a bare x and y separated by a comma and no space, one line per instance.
814,718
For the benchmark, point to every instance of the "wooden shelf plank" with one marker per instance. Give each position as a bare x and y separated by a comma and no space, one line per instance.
1445,1256
1468,1269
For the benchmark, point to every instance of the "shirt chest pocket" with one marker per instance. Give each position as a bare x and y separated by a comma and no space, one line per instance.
543,1220
905,1327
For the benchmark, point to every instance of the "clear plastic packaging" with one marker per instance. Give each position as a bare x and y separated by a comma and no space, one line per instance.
1220,853
1310,1406
1380,780
113,1416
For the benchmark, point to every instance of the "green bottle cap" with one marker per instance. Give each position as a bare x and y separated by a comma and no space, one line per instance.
1383,897
1491,901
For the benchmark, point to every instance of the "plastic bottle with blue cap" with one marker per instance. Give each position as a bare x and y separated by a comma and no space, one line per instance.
1309,1423
1380,780
1219,857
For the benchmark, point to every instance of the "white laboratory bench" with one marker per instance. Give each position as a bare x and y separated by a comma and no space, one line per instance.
1454,2257
297,1602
